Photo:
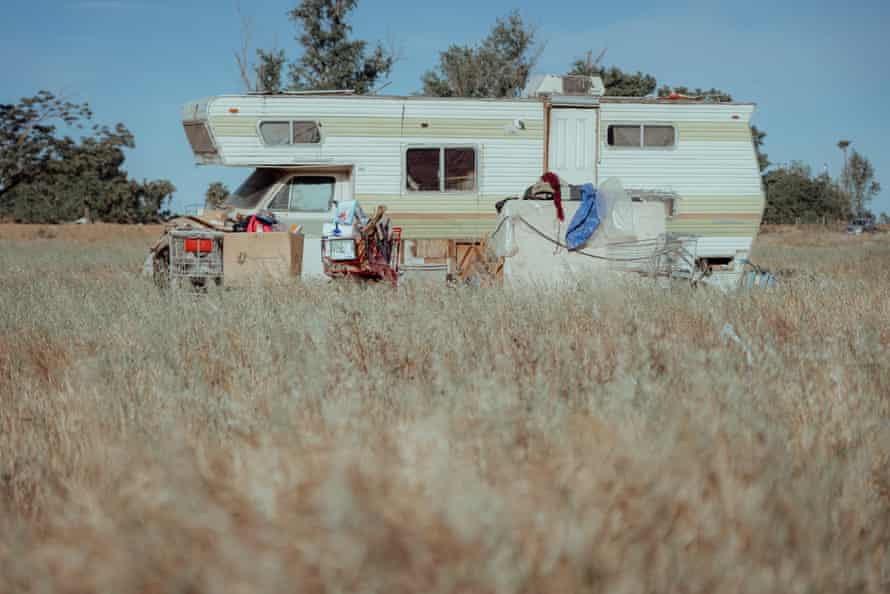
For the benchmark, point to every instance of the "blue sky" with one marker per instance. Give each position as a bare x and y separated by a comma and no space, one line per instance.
819,70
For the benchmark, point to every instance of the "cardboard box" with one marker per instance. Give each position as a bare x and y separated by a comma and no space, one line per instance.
256,258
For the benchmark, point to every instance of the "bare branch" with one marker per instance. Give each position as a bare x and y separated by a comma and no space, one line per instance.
242,54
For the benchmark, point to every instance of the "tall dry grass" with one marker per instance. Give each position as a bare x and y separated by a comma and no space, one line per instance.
358,439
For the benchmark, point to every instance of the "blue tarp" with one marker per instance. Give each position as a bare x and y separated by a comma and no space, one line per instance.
585,221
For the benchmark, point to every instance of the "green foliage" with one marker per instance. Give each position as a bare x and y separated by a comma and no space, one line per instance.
28,139
793,195
216,195
758,136
498,66
330,59
269,69
859,178
618,83
47,178
711,95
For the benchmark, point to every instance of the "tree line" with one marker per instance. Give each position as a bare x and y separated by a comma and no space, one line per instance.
48,176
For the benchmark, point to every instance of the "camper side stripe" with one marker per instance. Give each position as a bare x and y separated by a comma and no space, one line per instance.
240,126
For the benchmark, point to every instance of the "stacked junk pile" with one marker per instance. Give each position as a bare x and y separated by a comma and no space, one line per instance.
240,250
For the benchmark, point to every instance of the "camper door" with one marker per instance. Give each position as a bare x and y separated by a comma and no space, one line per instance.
572,149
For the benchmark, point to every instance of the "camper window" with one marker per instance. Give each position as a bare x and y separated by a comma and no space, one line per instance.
460,169
279,133
658,136
423,169
306,193
627,136
275,133
306,133
641,136
441,169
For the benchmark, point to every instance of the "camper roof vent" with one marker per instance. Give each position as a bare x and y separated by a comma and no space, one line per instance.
553,84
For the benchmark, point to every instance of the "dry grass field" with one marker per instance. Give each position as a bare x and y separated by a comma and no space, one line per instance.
334,439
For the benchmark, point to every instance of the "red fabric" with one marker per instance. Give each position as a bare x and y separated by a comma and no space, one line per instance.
553,180
254,224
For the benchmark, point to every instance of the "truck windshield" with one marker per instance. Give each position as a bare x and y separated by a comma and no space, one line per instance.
249,194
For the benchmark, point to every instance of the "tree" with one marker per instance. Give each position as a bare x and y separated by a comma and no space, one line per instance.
884,219
844,145
860,180
758,137
618,83
216,195
47,178
330,59
498,66
269,69
28,139
794,195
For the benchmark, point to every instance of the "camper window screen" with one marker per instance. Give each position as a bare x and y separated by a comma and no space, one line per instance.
422,169
307,193
658,136
306,133
628,136
275,133
460,169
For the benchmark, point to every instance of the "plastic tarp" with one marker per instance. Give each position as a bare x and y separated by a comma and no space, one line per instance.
526,231
585,221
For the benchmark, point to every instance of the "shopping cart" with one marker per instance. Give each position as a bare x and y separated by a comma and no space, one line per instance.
196,257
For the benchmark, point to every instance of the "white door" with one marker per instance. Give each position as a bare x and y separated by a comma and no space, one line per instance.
573,137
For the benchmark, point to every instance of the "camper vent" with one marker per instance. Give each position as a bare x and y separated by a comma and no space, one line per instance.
555,85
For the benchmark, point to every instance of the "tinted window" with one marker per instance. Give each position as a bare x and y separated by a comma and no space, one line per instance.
307,193
422,169
275,133
624,136
460,169
659,136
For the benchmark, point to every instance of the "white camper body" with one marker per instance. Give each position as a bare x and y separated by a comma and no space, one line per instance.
440,165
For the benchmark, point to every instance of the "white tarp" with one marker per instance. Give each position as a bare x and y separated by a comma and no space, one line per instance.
526,228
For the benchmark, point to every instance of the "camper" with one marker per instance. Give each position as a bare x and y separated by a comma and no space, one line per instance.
441,165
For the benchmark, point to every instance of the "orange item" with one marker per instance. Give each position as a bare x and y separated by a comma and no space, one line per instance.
256,226
199,246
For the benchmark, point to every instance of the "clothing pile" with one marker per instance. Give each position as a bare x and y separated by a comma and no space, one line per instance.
261,222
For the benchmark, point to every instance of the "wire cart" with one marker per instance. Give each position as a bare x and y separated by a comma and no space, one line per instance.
196,257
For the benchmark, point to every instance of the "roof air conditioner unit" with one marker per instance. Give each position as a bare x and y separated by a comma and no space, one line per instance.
552,84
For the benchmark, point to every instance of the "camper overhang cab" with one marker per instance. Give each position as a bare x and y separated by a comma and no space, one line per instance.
440,165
